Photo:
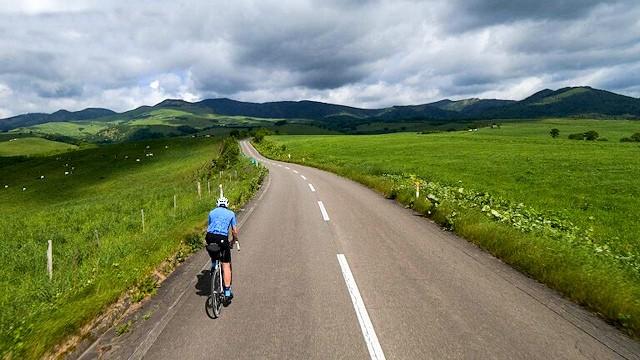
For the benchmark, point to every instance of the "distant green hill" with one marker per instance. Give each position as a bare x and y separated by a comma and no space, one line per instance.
179,117
58,116
570,102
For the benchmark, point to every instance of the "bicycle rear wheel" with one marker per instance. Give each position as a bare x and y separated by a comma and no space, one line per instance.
214,302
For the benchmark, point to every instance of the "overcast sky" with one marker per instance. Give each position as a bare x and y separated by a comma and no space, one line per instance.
369,53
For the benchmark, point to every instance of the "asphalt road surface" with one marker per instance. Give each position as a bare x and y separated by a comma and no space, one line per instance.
331,270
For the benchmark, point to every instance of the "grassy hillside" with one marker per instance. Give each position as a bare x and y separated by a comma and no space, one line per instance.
29,146
89,204
58,116
80,130
564,211
150,123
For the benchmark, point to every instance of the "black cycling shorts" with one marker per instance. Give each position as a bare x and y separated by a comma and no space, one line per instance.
224,254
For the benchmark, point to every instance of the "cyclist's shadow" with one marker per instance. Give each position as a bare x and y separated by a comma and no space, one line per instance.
203,286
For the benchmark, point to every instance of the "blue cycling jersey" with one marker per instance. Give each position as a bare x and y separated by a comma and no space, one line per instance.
220,219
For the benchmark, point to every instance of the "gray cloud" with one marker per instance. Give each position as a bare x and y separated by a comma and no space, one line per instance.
475,13
74,54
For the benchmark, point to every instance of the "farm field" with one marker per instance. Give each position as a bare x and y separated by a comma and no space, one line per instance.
89,204
564,211
29,146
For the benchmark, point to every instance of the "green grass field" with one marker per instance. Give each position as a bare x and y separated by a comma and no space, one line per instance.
564,211
30,146
89,204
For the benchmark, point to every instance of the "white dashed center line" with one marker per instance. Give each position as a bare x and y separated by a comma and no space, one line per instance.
288,168
295,171
312,188
325,216
303,177
369,334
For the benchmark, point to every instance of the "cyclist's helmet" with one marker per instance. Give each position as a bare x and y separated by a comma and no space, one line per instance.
222,201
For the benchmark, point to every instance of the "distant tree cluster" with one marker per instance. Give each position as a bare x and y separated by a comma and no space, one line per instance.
633,138
554,133
590,135
259,134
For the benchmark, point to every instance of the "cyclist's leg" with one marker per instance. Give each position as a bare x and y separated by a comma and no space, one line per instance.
226,267
226,270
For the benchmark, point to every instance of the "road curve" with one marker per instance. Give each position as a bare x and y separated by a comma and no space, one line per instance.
329,269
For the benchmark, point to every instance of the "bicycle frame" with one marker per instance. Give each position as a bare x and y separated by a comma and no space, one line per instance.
216,298
217,264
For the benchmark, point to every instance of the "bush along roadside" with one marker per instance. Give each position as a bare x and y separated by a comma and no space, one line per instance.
541,244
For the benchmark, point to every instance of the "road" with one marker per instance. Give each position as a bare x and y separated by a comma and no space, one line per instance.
331,270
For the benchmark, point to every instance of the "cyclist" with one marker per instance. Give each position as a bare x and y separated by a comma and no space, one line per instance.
221,220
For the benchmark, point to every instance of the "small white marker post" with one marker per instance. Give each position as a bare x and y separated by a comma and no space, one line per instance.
50,259
97,237
289,156
417,190
199,191
142,213
175,205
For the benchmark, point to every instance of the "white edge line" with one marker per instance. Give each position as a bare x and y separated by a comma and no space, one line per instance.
303,177
369,334
312,188
325,215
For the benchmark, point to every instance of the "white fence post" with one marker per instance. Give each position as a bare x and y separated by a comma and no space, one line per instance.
417,190
50,259
142,213
199,191
175,204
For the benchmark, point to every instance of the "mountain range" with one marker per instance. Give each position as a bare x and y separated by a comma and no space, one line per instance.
565,102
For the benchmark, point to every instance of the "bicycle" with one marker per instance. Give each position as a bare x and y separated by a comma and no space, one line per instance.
216,298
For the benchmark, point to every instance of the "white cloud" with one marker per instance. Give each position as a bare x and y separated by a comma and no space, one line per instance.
121,55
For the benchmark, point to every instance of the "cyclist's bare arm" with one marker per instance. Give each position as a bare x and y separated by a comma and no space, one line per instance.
234,232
